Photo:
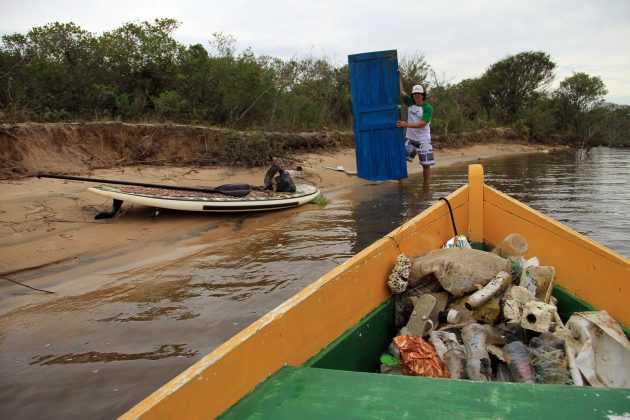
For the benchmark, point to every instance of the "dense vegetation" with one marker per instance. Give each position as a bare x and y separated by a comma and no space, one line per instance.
139,73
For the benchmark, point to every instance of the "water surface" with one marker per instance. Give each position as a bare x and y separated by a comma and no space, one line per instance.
590,194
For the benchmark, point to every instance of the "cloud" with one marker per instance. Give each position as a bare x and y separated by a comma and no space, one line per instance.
460,39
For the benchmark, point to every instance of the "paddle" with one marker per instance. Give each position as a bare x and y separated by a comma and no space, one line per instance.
234,190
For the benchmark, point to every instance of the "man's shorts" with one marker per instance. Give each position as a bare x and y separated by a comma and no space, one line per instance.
424,150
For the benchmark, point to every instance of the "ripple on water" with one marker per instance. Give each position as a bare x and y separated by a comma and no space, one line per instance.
162,352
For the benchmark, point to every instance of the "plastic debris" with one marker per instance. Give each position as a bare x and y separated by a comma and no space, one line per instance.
398,279
459,241
478,364
503,373
514,245
419,357
521,368
388,359
393,348
419,323
404,303
545,278
497,352
390,365
547,341
424,317
390,370
471,303
458,315
451,352
601,349
489,312
551,365
538,316
513,301
340,168
481,296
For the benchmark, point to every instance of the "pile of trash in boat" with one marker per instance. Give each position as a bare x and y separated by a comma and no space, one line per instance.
463,313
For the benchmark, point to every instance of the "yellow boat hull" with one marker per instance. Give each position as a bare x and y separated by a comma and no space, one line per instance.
313,318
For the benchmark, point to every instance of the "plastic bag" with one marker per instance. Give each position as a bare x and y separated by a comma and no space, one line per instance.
419,357
601,351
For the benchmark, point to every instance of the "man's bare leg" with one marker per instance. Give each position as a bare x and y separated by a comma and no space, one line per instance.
426,177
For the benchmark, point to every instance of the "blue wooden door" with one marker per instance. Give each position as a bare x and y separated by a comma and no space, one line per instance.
375,90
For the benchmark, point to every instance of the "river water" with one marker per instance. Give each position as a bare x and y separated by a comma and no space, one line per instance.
589,194
97,354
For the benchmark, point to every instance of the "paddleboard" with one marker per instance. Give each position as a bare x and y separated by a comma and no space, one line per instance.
207,202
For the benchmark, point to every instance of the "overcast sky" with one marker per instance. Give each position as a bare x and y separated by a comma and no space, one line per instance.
459,39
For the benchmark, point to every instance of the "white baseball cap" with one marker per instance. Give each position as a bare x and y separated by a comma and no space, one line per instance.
417,89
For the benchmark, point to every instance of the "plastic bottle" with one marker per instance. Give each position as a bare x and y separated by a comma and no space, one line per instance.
520,363
483,295
456,314
455,360
451,353
478,365
503,373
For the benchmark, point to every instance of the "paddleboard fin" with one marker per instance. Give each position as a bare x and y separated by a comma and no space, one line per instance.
109,214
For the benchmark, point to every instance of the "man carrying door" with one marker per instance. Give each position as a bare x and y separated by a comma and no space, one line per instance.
418,127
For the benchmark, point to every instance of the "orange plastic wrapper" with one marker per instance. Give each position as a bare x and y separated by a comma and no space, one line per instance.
418,357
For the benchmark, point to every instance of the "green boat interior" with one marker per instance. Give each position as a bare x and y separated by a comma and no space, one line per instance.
344,375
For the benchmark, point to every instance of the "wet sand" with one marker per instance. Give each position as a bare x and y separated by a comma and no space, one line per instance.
84,350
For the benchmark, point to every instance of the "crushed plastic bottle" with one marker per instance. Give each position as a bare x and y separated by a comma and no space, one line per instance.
478,365
520,364
451,352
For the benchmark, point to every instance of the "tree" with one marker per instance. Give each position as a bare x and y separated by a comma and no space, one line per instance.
170,105
192,81
515,81
12,54
582,91
414,70
140,59
458,107
241,85
51,67
579,96
615,125
536,120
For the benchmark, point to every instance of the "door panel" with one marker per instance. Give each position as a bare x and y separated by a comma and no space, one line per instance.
375,90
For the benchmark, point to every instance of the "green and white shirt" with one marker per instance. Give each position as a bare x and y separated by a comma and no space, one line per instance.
415,114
